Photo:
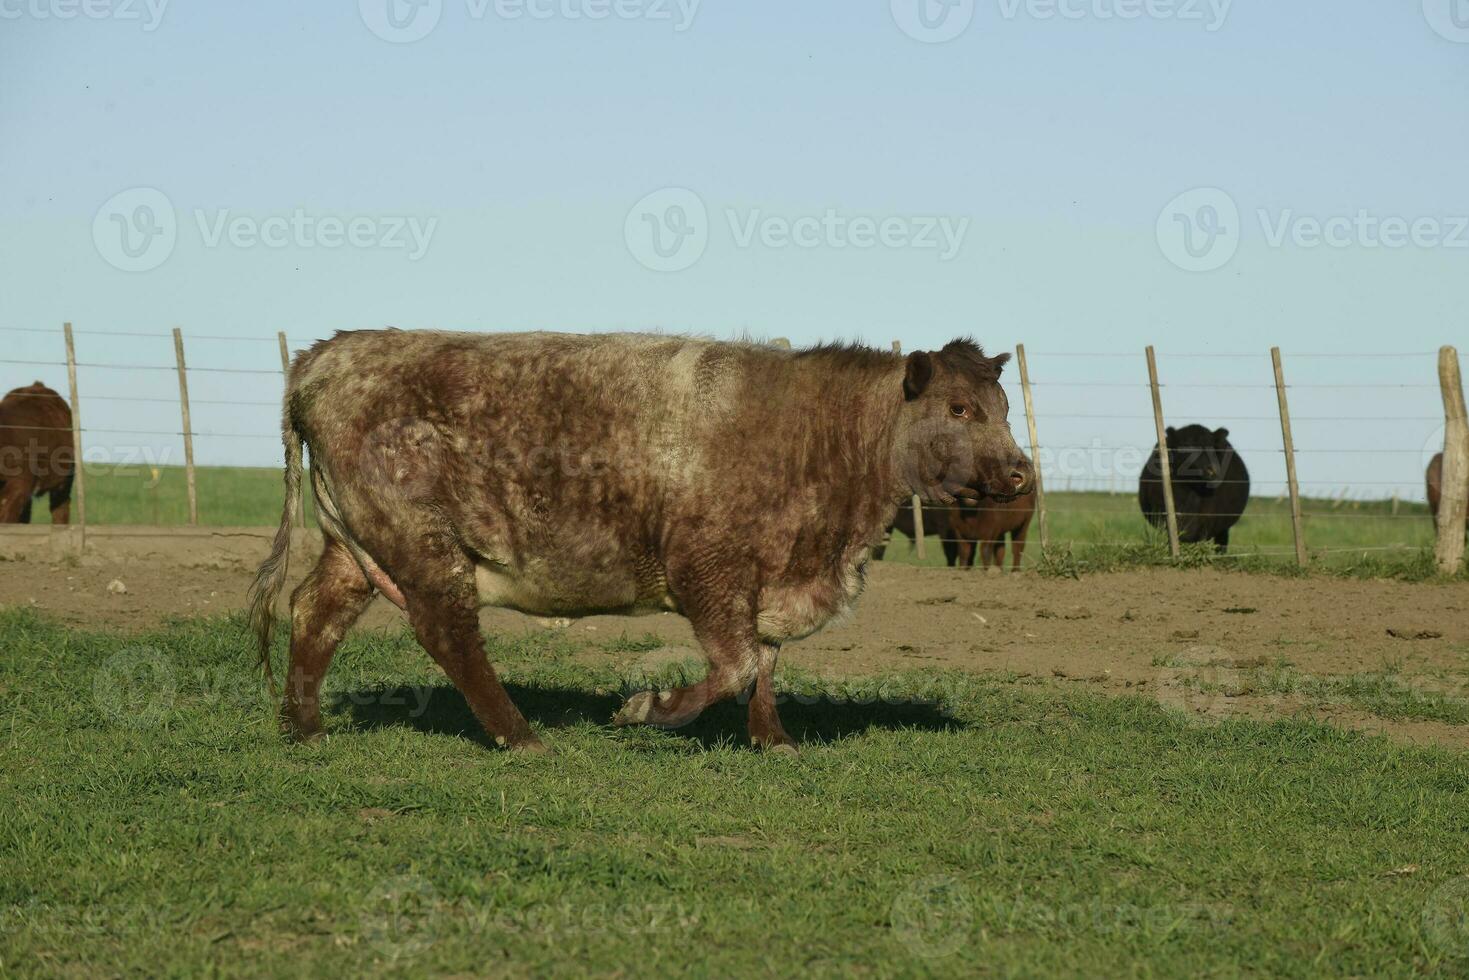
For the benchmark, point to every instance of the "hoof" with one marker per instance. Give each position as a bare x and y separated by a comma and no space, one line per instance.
532,746
782,746
303,734
636,710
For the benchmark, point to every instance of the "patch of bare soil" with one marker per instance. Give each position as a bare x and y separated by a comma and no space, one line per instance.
1206,642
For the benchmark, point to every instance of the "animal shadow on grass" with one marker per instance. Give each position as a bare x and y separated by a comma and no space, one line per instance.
441,710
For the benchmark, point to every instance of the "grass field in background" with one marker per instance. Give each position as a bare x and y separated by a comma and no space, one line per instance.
1348,533
1338,533
151,815
232,496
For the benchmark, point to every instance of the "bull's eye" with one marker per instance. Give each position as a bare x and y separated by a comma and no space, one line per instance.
958,411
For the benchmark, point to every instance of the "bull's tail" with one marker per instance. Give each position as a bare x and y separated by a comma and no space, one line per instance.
272,575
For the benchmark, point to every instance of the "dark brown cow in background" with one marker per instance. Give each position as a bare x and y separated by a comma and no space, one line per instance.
935,521
740,485
1434,479
982,526
35,454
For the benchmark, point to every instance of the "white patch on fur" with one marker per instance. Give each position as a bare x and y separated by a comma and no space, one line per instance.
797,611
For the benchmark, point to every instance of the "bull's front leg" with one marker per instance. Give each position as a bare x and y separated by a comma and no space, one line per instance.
733,665
15,497
726,630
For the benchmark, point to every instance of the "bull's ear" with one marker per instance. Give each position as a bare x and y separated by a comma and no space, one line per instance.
1000,360
1220,436
919,374
1171,431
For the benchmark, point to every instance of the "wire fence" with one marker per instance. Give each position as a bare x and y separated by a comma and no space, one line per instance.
1366,425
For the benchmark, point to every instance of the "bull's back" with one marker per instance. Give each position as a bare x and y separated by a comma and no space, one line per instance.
551,455
37,419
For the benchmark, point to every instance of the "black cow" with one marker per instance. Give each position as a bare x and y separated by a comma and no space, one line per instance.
935,521
1210,485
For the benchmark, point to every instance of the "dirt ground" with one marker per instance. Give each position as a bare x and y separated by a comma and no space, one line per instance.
1203,641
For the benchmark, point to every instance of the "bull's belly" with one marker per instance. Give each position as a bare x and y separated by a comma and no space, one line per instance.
792,611
542,590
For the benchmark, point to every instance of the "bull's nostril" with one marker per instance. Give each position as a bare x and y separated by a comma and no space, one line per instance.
1017,477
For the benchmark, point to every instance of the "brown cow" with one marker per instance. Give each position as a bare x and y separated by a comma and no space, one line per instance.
1434,479
743,486
986,523
35,454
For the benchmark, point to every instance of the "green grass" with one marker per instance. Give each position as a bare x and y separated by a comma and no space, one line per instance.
233,496
152,822
1091,532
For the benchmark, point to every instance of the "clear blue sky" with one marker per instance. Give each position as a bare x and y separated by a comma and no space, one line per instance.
526,141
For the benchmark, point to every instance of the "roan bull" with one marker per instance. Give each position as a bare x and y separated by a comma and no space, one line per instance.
740,485
1210,485
36,454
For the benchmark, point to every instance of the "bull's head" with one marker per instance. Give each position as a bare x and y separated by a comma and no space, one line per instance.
953,438
1199,457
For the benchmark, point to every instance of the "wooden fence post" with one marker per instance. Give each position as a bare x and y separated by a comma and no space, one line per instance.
79,479
286,373
178,352
1449,551
1035,448
918,536
1164,464
1297,528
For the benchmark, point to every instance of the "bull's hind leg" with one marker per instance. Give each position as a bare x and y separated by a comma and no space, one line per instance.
323,607
60,502
766,731
443,606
